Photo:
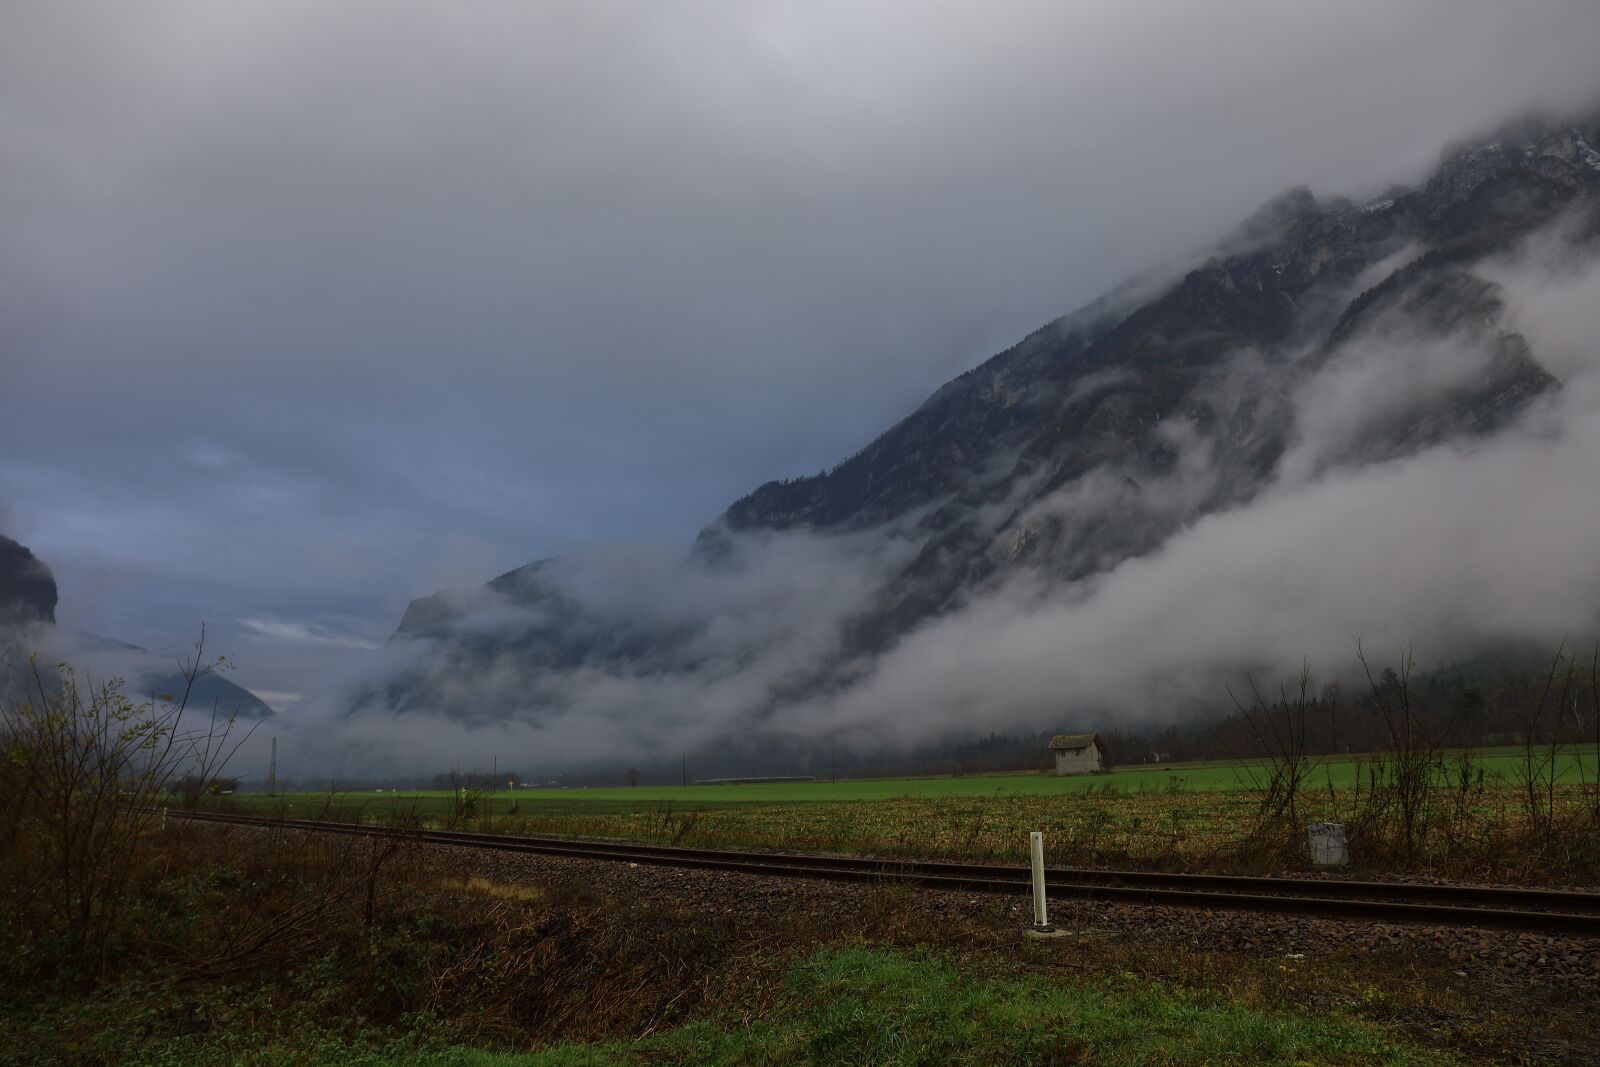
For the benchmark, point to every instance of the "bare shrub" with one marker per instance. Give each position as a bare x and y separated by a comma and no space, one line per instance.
276,894
1282,730
1591,789
1536,703
676,825
85,770
1400,781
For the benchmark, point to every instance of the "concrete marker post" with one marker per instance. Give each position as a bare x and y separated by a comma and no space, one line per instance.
1330,849
1036,851
1041,930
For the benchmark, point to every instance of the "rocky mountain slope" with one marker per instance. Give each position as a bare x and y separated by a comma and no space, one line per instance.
27,588
1094,439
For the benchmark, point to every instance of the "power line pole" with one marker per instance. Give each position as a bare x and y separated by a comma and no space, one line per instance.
272,771
686,770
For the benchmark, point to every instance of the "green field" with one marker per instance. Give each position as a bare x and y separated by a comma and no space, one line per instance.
1501,766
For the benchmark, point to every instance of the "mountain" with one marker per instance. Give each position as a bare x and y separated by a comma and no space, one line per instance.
27,588
148,673
27,625
1092,441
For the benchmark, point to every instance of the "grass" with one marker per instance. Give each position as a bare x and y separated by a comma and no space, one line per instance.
1199,816
1220,776
870,1006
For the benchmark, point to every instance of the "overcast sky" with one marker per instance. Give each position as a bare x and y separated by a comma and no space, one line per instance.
310,308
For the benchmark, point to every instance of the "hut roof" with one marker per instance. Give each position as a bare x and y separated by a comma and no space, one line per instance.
1073,741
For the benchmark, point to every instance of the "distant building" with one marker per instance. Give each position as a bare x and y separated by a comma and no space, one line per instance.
1079,753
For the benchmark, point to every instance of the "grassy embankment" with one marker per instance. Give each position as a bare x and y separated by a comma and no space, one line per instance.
249,949
867,1006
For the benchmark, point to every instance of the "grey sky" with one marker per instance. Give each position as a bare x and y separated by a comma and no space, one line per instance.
309,308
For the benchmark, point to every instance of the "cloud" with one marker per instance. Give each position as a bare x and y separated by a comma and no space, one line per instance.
289,630
479,284
317,308
278,700
1455,548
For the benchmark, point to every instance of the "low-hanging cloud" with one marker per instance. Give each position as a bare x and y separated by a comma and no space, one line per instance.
1453,549
764,615
1459,547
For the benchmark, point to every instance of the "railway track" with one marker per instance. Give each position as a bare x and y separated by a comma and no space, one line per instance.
1542,910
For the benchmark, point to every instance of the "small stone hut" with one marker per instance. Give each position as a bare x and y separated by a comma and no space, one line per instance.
1079,753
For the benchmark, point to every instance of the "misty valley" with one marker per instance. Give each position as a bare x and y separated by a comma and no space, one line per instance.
391,672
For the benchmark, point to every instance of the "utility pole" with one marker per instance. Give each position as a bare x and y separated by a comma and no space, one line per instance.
272,771
686,770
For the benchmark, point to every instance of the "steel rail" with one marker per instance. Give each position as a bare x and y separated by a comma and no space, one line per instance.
1541,910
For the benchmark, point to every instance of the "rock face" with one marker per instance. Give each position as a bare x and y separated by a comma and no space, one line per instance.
1100,435
27,588
1125,393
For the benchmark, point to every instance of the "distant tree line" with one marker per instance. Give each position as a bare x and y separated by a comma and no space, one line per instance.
191,786
474,780
1466,711
1475,710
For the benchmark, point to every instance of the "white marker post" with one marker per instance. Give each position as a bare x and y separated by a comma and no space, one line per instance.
1036,849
